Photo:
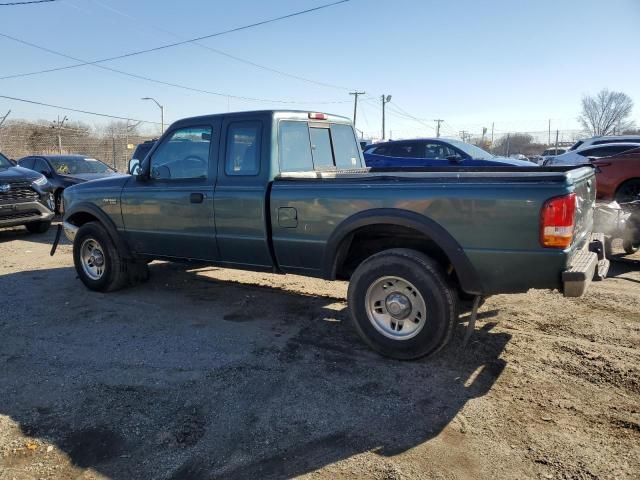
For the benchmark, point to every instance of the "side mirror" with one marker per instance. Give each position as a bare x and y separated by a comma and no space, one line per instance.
455,158
46,173
134,167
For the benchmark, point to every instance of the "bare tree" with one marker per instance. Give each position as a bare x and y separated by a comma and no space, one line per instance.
606,113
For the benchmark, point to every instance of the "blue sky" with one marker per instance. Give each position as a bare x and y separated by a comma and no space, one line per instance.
515,63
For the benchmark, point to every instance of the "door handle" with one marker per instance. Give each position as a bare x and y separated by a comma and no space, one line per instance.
196,197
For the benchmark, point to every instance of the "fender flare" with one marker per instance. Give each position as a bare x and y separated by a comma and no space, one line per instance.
105,221
467,275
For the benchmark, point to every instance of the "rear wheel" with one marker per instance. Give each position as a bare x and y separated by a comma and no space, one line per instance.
97,260
38,227
401,304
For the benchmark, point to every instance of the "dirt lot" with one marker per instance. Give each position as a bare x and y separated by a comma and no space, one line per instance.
205,373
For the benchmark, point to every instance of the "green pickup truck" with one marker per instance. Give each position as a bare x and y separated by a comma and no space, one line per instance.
287,192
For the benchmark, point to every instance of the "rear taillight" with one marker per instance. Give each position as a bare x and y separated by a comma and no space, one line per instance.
557,221
318,116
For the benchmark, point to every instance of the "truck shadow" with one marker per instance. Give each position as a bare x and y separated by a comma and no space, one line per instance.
171,380
621,265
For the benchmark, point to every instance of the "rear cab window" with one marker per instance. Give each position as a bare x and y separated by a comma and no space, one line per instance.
309,146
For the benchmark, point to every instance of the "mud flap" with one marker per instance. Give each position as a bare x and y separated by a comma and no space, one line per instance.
56,240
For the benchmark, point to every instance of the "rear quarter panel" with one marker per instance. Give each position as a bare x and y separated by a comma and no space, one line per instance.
494,220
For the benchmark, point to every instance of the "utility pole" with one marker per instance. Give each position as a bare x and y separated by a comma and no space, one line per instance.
58,125
484,132
355,104
465,135
549,139
557,141
508,144
493,124
1,122
385,99
438,122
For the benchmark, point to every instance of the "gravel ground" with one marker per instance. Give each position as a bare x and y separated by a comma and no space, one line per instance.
211,373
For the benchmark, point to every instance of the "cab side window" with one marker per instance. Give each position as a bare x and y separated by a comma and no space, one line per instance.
39,165
183,155
243,149
26,163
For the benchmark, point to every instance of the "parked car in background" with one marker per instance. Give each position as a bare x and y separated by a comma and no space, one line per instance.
587,142
618,176
62,171
434,152
142,150
582,155
25,198
549,153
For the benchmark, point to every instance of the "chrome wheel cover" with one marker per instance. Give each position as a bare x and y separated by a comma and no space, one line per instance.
395,308
92,258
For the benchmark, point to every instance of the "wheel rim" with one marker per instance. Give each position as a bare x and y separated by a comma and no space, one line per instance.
92,259
395,308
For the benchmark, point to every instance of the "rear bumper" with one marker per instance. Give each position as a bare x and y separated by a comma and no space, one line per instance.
16,214
587,264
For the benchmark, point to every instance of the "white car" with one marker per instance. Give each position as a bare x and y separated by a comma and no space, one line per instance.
582,155
588,142
552,152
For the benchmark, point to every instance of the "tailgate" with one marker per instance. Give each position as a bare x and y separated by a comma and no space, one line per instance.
584,186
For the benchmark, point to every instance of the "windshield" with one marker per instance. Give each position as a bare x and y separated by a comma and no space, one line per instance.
75,165
474,152
4,162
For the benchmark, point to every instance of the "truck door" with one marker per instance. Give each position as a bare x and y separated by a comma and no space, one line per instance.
171,212
241,193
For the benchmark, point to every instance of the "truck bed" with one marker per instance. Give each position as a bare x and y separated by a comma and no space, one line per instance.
491,214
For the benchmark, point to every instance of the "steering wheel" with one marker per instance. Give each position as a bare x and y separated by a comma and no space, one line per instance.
196,159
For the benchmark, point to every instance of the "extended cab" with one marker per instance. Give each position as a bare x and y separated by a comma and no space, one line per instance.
287,192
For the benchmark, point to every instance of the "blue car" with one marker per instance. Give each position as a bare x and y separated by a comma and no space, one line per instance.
434,152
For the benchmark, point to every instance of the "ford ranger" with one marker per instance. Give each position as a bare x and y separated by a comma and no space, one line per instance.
288,192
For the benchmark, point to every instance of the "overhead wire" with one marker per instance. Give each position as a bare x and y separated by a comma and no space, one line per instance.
31,2
146,24
154,80
77,110
175,44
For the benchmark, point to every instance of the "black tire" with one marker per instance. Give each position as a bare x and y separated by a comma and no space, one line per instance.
440,302
629,247
114,275
38,227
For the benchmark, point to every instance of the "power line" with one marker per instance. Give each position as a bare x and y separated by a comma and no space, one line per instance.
149,79
10,4
145,23
175,44
75,109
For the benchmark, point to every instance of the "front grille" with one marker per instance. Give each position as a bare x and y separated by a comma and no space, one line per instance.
19,192
18,216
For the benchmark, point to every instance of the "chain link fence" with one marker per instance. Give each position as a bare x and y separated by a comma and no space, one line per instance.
112,145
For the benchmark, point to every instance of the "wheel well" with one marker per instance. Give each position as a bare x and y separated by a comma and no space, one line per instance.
371,239
622,184
80,218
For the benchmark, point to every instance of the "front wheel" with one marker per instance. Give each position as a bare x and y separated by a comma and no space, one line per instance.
97,260
401,304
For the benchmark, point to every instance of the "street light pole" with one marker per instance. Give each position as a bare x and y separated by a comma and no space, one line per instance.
385,99
161,112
